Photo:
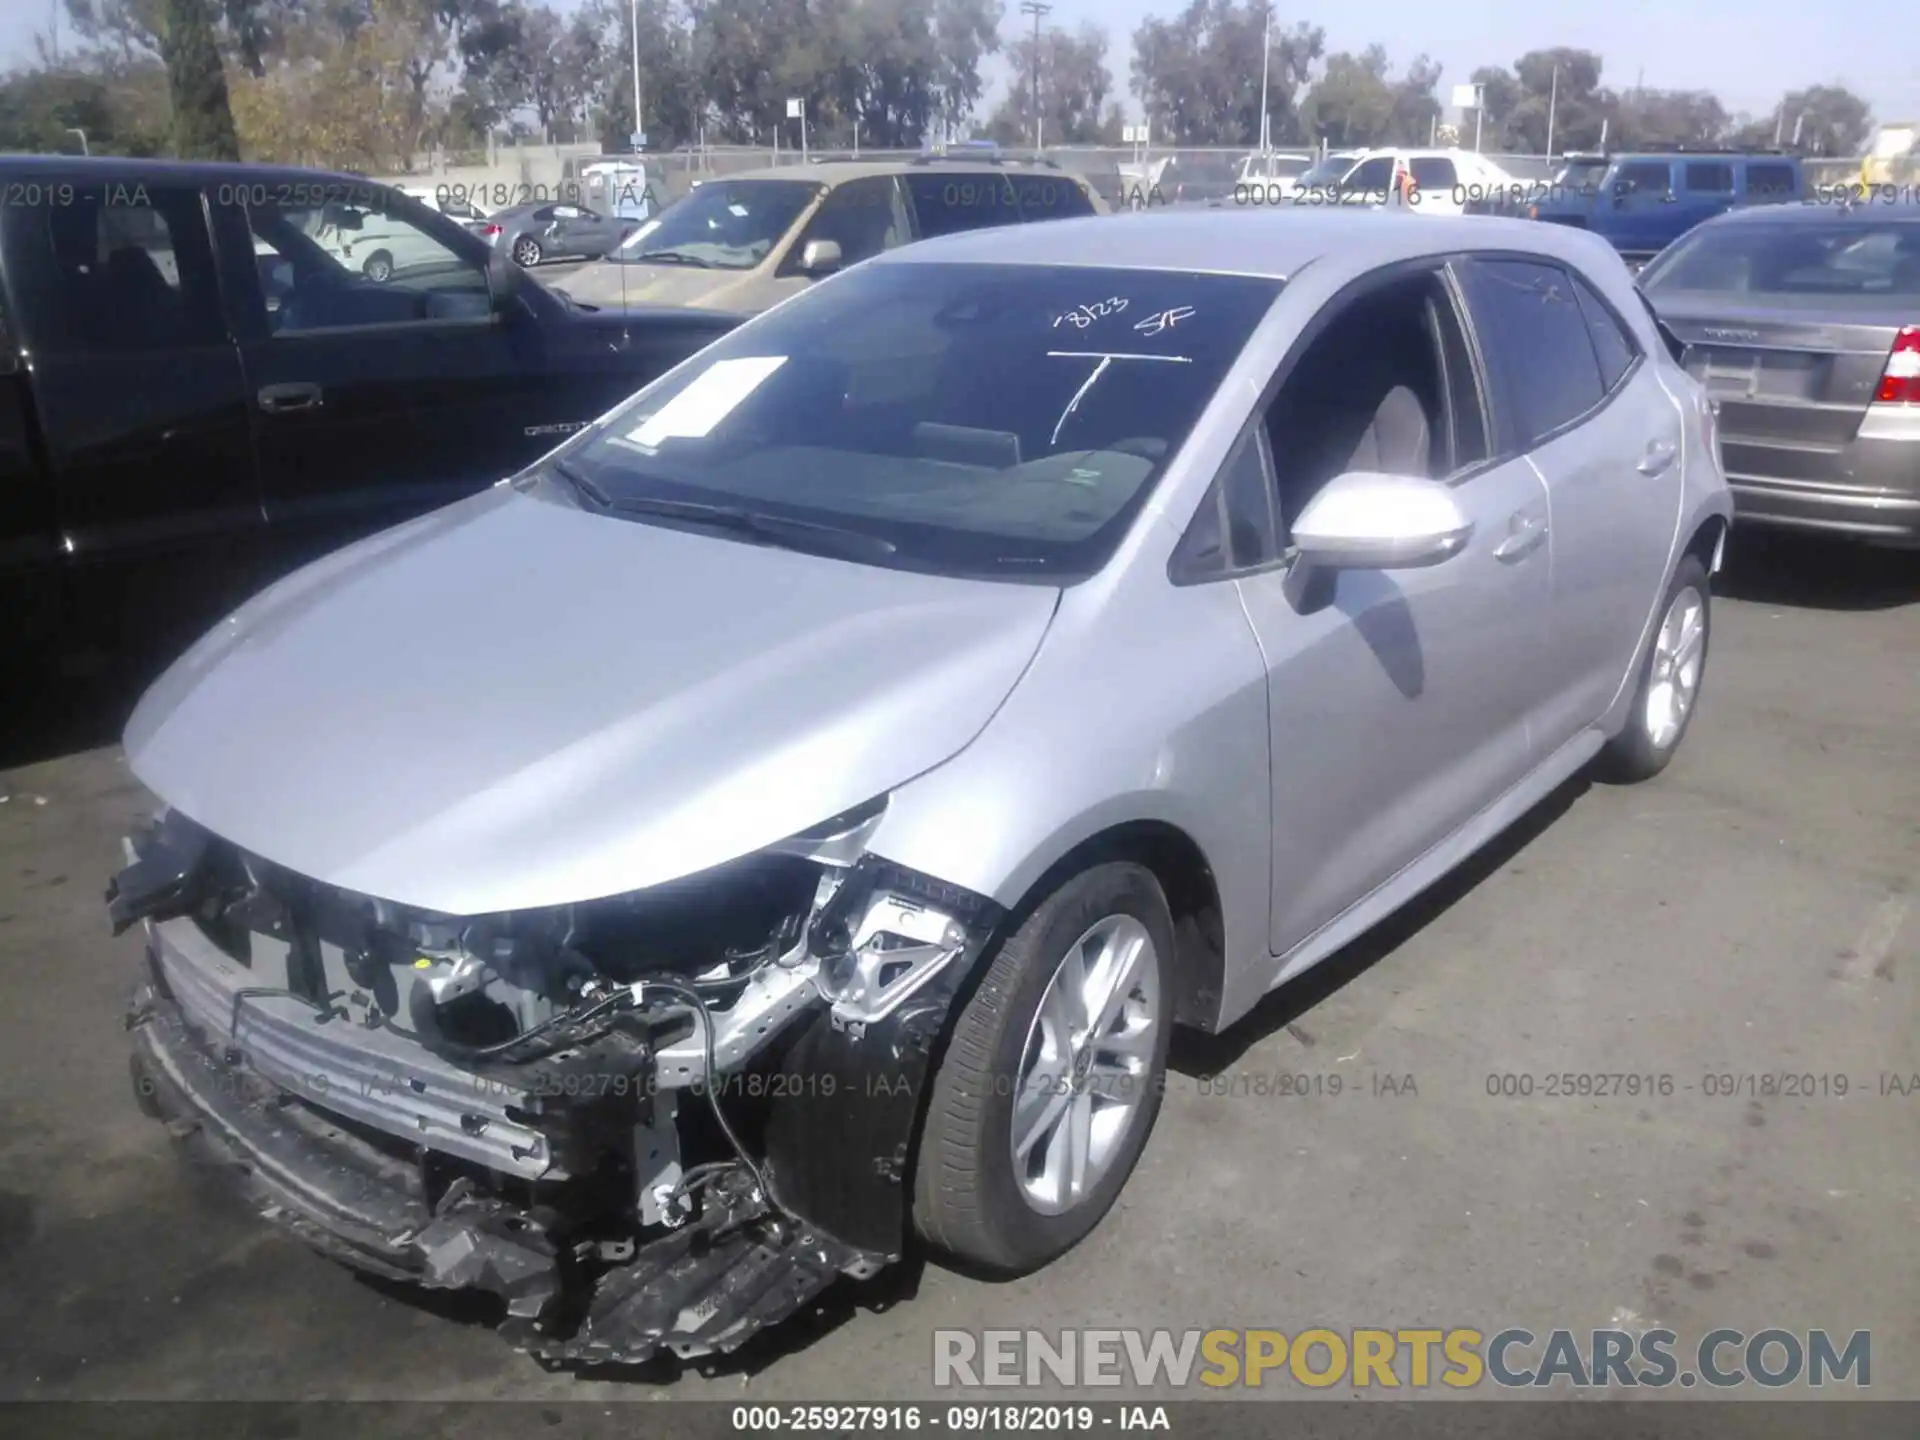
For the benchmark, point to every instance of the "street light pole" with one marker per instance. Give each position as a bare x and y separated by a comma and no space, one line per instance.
1266,54
638,127
1036,8
1553,101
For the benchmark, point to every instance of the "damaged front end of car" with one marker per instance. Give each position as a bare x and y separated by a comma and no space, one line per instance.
657,1122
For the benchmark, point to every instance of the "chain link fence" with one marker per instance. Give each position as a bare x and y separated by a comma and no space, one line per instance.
1113,170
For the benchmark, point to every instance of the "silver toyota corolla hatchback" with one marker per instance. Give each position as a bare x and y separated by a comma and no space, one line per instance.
791,817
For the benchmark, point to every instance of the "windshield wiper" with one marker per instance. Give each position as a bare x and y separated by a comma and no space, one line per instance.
755,525
585,487
673,257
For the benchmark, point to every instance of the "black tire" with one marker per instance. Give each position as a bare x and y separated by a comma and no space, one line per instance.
527,252
1634,755
379,267
967,1200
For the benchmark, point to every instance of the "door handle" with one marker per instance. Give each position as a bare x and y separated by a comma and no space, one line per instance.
294,395
1524,536
1660,454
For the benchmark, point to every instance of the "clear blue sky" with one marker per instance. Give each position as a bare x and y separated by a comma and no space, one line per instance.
1747,51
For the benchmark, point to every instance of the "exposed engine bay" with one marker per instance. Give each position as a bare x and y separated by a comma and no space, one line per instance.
663,1120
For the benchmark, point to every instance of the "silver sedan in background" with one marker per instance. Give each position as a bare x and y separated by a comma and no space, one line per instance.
791,817
536,233
1803,324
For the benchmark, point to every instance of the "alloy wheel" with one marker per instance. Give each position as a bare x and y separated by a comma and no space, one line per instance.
1085,1064
1679,652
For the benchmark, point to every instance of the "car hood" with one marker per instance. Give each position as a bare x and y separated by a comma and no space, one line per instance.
515,703
612,282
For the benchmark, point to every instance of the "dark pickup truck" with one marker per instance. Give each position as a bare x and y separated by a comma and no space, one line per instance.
193,357
1642,201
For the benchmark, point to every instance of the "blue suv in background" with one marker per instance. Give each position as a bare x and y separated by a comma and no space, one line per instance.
1642,201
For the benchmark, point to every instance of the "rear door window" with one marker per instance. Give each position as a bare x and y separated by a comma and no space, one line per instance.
1705,178
1769,178
1532,329
1612,346
1434,172
945,203
132,271
1050,197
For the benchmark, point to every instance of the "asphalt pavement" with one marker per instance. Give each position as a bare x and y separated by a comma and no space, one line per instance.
1749,914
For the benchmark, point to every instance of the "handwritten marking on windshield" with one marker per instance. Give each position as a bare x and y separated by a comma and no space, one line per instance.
1116,355
1078,396
1081,316
1165,320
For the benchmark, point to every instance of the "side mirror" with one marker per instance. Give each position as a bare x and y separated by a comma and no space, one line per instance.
1364,520
820,257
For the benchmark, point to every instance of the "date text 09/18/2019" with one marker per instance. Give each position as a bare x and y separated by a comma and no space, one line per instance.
1041,1419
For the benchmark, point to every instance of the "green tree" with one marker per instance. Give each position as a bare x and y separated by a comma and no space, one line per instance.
1667,117
1076,87
1416,111
1198,74
1829,119
202,116
1351,104
1500,96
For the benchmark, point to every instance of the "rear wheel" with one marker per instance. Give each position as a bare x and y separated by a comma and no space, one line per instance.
527,252
1052,1080
379,267
1669,683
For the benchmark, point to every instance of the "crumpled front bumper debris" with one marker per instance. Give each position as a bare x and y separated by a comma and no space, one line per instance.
688,1292
489,1182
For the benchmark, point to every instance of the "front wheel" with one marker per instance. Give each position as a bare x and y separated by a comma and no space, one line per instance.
1669,681
1053,1078
378,267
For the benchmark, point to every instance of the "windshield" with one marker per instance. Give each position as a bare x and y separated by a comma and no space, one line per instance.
1796,259
1328,171
991,420
722,224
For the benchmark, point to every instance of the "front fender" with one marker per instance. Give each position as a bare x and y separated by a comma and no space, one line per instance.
1149,709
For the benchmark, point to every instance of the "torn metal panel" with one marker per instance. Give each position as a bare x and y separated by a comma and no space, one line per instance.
495,1103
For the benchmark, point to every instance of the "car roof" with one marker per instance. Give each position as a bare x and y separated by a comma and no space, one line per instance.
838,172
116,168
1595,157
1275,244
1903,210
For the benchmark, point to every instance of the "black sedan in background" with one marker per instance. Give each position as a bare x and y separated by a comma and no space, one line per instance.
535,233
1803,322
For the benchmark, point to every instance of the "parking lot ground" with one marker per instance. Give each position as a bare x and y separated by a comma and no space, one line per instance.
1752,913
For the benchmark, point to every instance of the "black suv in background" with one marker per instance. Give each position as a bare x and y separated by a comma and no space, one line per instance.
192,358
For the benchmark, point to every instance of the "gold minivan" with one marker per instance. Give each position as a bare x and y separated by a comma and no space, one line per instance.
743,242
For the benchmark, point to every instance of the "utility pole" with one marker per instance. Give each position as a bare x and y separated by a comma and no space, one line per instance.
1036,8
639,128
1553,101
1266,55
1479,114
